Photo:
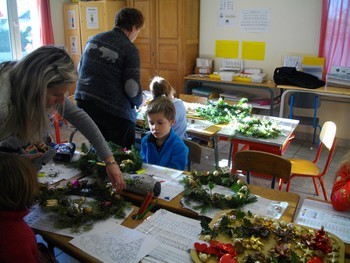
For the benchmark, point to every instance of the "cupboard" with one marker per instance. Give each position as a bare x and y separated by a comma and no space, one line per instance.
83,20
169,41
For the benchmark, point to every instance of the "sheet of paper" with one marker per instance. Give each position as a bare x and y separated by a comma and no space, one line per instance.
54,172
38,219
169,179
316,214
118,244
176,234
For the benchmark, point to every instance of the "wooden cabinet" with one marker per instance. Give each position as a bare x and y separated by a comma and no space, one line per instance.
83,20
169,41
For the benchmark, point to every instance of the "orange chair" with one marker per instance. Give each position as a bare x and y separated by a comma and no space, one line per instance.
306,168
263,163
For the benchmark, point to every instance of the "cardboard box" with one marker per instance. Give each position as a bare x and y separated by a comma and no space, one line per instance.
203,70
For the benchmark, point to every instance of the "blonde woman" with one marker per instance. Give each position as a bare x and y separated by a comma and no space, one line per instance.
34,87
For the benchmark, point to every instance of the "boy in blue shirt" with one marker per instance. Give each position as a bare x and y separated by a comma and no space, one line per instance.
162,146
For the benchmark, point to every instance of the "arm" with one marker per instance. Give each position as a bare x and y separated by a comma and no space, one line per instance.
131,78
89,129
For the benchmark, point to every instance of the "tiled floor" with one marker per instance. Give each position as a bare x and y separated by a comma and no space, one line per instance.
297,149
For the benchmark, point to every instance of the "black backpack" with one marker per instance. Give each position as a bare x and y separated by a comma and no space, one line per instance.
290,76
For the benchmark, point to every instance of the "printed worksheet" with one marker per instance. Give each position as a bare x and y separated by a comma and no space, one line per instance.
316,214
117,244
169,179
176,235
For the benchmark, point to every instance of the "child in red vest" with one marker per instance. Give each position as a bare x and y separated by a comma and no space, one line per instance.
340,197
18,187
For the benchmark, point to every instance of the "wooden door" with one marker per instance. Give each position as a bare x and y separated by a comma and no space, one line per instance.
145,41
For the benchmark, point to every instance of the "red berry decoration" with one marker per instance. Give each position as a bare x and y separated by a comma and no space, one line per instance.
227,258
322,242
315,260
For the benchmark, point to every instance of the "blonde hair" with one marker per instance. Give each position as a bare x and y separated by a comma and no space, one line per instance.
159,87
18,182
30,77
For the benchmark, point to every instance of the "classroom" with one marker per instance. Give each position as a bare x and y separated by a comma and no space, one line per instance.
165,134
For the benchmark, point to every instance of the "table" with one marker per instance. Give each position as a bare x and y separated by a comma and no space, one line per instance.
175,206
267,87
272,145
224,132
323,91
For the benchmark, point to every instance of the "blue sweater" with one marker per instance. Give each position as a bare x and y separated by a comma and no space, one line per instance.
109,74
174,153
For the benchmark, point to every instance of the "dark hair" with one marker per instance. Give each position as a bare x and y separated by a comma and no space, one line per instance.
18,182
128,17
163,105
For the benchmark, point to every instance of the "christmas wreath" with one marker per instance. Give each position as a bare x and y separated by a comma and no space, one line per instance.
80,203
129,160
199,185
240,119
238,236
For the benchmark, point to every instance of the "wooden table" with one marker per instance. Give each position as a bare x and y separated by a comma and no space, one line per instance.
175,205
268,87
62,242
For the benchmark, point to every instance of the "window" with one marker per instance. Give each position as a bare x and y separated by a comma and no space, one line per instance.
19,28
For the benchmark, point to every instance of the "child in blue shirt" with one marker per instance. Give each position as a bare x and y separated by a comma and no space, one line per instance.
162,146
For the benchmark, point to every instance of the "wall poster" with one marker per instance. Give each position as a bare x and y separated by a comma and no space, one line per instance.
92,18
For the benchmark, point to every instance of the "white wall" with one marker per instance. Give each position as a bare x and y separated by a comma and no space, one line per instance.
56,7
294,28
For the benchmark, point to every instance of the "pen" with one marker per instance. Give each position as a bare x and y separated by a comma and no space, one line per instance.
145,203
149,208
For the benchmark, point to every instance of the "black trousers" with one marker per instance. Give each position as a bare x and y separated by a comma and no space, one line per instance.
115,129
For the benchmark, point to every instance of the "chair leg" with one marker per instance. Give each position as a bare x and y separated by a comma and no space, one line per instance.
323,189
288,184
273,182
316,187
230,155
189,166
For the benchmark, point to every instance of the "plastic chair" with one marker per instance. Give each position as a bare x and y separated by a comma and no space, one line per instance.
195,153
306,168
305,100
263,163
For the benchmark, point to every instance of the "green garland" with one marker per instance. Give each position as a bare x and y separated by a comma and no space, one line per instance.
89,163
194,190
79,214
222,113
240,117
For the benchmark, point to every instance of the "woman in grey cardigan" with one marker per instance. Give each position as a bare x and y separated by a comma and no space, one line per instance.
32,89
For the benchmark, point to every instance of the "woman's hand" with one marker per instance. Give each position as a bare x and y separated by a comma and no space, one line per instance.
115,176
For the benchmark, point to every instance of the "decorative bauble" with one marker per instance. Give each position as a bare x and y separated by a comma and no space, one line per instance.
341,195
315,260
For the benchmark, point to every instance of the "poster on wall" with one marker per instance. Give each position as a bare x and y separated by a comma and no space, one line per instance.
255,20
73,43
71,20
226,13
92,18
